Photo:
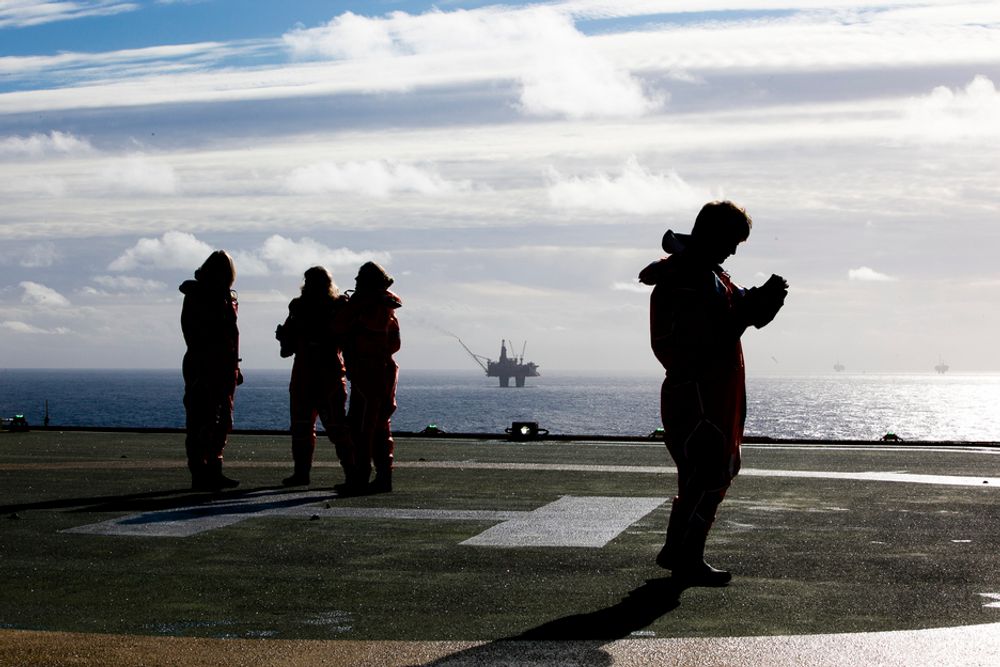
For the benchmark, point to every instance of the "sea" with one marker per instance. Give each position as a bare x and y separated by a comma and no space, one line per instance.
836,406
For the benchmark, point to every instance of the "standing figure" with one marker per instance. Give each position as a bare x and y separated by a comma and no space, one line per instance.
312,332
211,368
372,339
697,316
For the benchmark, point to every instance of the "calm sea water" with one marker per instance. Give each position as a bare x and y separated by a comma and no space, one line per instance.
840,406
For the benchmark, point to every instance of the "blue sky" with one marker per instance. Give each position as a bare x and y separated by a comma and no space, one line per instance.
513,165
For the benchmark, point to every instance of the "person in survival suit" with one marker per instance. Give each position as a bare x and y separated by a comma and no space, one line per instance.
372,338
312,332
697,316
211,368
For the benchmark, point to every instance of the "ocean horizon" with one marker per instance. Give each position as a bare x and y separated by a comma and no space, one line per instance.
835,406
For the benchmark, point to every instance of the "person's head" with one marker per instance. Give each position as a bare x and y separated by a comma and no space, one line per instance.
372,277
318,282
217,271
719,228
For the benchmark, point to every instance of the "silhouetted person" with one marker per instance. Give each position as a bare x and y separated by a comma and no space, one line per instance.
697,315
372,338
211,368
313,332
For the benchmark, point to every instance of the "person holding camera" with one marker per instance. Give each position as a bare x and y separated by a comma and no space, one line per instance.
697,316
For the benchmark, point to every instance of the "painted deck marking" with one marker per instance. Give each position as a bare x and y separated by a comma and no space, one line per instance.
567,522
571,521
187,521
861,476
993,600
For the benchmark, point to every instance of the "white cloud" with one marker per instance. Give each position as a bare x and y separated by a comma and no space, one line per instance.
374,178
173,250
294,257
249,263
38,145
346,36
567,76
24,328
140,175
630,287
22,13
866,274
634,190
558,69
947,114
181,250
144,62
37,294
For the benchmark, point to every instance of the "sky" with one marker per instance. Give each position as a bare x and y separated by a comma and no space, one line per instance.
513,166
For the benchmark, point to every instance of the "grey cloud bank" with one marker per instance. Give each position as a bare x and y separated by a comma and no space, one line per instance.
514,194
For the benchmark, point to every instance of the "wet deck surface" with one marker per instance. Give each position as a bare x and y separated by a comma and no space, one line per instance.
491,552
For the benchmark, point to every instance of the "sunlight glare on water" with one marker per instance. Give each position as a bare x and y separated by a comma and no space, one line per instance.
861,406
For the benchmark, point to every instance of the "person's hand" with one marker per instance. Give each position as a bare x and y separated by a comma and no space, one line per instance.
776,283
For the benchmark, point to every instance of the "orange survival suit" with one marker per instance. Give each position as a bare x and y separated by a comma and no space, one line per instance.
211,373
697,315
313,332
371,340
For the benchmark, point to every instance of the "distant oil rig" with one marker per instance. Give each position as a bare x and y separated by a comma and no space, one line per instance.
506,367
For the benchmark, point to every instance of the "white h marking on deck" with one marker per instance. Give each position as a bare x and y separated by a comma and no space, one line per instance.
571,521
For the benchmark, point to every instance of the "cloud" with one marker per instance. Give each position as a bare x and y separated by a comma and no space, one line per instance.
947,114
105,66
865,274
630,287
504,292
374,178
24,328
634,190
181,250
294,257
249,263
559,70
566,76
23,13
347,36
140,175
173,250
122,284
37,294
263,296
39,256
38,145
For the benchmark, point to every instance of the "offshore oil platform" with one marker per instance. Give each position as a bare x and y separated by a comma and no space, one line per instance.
506,367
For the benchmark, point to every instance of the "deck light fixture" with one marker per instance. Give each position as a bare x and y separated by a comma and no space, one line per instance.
526,431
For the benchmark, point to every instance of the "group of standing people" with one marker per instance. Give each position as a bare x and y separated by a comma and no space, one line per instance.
333,337
697,317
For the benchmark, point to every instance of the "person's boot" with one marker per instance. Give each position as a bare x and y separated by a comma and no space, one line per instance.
382,482
667,557
199,477
691,568
354,483
215,480
300,477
